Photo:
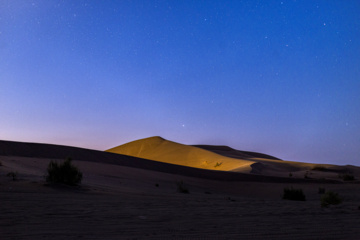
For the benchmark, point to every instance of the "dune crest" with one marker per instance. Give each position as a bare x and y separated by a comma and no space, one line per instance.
162,150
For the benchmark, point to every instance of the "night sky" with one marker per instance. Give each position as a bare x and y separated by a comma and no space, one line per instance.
279,77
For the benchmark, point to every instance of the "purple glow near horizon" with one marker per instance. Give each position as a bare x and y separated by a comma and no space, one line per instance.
278,77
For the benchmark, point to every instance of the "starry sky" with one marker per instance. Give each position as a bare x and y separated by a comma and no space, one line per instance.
278,77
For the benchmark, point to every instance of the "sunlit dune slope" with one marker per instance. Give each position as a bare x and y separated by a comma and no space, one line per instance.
233,153
159,149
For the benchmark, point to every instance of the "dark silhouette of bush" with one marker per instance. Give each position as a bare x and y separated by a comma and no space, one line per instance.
347,177
181,188
319,168
218,164
294,194
13,175
330,198
65,173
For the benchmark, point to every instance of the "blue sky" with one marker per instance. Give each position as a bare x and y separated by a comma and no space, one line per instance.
279,77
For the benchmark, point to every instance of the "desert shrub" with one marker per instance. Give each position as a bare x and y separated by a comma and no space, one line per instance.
347,177
330,198
1,163
65,173
218,164
319,168
13,175
181,188
321,190
294,194
290,174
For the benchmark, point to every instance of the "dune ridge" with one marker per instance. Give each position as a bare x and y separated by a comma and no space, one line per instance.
233,153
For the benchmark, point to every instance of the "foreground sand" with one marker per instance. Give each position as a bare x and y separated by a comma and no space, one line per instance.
119,202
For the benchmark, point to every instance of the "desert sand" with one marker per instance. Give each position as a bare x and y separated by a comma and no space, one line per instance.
126,197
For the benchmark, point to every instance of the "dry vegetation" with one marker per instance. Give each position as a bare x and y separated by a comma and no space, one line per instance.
294,194
65,173
330,198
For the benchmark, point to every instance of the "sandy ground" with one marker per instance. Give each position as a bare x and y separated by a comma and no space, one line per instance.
118,202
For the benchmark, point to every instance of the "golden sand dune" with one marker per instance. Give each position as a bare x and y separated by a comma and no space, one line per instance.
224,158
159,149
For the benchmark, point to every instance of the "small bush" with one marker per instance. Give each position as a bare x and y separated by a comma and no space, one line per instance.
13,175
347,177
290,174
65,173
181,188
319,168
294,194
330,198
218,164
1,163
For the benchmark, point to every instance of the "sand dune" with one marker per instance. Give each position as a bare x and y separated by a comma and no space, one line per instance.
223,158
159,149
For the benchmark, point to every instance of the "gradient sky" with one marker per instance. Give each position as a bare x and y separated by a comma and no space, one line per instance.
279,77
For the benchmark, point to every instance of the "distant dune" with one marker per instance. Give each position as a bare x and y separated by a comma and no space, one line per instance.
159,149
223,158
